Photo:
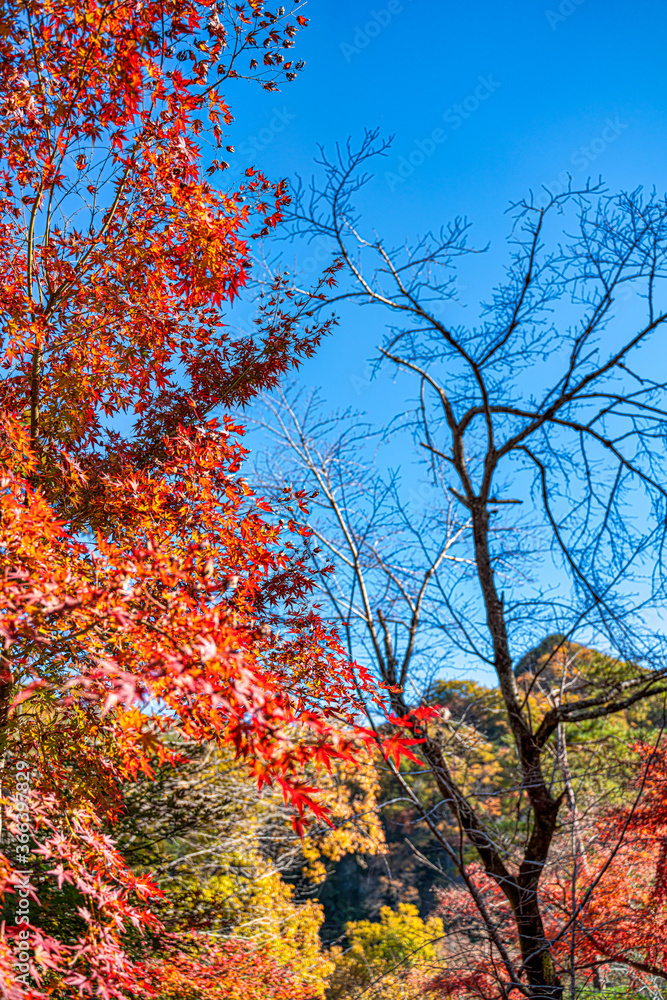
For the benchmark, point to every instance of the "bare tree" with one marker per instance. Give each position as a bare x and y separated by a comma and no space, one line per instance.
387,555
543,425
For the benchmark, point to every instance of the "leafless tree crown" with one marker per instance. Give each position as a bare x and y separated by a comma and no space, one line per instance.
542,425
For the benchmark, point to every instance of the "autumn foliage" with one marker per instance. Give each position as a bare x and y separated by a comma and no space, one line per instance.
607,908
152,602
146,591
231,971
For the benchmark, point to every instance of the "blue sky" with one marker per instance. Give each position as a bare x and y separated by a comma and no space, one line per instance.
523,93
486,102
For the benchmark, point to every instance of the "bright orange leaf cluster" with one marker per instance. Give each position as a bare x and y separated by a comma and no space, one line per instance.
145,588
229,971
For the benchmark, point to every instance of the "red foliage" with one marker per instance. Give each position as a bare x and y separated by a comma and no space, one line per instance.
230,971
622,902
609,908
145,588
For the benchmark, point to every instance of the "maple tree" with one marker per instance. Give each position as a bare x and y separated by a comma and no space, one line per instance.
146,589
617,915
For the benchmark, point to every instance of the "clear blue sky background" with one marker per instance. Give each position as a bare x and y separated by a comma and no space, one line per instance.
578,87
523,93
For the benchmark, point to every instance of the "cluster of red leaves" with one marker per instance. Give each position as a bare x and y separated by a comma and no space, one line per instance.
145,589
232,970
113,900
117,253
197,607
609,908
196,599
474,968
621,913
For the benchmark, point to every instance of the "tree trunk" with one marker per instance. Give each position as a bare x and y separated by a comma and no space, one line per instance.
535,951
